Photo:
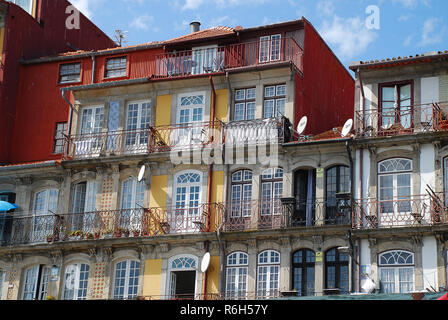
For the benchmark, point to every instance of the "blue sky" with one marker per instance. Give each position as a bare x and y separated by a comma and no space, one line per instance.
405,27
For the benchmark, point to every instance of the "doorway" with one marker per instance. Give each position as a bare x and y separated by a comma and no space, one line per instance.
305,196
183,285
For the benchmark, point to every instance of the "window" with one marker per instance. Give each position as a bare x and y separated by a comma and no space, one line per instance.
126,279
75,282
44,205
396,271
190,115
2,281
274,101
70,72
268,274
303,274
241,194
270,48
236,275
26,5
396,105
59,139
84,205
132,201
244,104
336,270
187,200
337,181
271,191
137,123
92,120
445,179
36,283
116,67
394,189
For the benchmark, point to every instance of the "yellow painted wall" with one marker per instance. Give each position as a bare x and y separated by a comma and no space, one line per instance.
152,278
213,275
163,110
222,96
217,196
158,192
2,36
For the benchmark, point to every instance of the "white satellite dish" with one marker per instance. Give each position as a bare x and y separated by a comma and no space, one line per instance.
302,125
347,127
141,173
205,262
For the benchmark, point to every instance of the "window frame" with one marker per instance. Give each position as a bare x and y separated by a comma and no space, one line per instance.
265,48
243,205
337,264
244,101
272,203
272,270
339,187
72,81
237,268
397,267
78,293
275,99
124,74
126,285
40,282
57,138
304,265
380,102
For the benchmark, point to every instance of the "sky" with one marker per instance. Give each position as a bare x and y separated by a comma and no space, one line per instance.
354,30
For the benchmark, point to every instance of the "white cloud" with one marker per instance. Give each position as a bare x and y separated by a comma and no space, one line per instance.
142,22
196,4
349,36
325,8
412,4
83,6
433,32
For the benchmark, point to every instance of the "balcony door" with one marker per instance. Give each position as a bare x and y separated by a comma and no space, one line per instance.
271,193
45,204
187,199
396,106
206,59
394,191
305,196
138,120
190,115
90,142
83,207
270,48
132,203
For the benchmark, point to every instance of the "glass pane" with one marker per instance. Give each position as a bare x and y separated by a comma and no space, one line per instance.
388,94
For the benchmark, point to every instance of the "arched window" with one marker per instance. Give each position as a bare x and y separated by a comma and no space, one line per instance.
126,279
268,274
44,205
337,181
336,270
187,201
241,194
182,276
394,188
35,284
236,275
271,191
303,272
396,271
76,278
183,263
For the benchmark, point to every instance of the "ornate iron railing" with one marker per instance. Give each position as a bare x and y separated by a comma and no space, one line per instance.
257,131
407,120
241,295
417,210
142,222
218,59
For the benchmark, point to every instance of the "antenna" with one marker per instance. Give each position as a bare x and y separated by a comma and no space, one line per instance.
120,37
302,125
205,262
141,173
347,128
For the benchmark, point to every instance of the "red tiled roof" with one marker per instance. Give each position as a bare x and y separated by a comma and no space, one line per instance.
203,34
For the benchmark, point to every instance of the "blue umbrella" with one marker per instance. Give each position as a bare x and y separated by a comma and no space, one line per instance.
6,206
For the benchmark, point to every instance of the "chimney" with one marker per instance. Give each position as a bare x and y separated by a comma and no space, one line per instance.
195,26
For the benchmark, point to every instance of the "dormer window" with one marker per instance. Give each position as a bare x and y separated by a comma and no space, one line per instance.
270,48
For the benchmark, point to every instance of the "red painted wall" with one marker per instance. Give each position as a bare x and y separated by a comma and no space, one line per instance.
326,93
25,38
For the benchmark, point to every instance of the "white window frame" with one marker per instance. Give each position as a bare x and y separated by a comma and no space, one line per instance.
140,132
205,59
269,187
241,194
50,203
268,274
72,277
171,287
41,274
126,285
240,271
397,267
267,55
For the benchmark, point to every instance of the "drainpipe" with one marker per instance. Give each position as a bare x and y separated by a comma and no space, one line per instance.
93,67
347,145
204,287
69,127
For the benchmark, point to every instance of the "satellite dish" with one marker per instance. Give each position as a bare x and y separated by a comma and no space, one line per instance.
302,125
141,173
347,127
369,286
205,262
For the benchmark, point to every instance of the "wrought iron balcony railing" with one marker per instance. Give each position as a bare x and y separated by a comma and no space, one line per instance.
418,210
141,222
144,141
218,59
256,131
405,120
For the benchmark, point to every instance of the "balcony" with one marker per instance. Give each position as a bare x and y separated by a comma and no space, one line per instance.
414,119
418,210
257,131
144,141
22,229
219,59
283,213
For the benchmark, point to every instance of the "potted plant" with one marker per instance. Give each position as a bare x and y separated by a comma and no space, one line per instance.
75,235
109,233
136,233
89,236
50,238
